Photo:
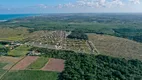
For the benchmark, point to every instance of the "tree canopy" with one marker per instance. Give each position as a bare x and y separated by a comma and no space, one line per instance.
78,34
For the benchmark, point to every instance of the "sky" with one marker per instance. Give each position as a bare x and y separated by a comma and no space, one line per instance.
70,6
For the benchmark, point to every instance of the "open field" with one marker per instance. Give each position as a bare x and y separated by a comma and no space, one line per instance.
54,65
19,51
117,47
1,46
39,63
23,64
1,68
9,60
13,34
30,75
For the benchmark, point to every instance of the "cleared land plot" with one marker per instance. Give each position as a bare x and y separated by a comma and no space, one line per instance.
30,75
19,51
58,38
117,47
23,64
39,63
46,37
54,65
9,60
77,45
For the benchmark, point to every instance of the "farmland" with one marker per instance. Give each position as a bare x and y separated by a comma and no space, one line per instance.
30,75
10,61
39,63
6,63
1,68
54,65
20,71
18,66
24,63
19,51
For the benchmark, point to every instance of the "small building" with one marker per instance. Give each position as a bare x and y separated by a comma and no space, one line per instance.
34,53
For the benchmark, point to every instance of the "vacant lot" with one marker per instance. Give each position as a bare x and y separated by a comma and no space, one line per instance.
31,75
23,64
19,51
54,65
39,63
117,47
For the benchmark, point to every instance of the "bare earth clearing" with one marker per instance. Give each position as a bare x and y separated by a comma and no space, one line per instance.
54,65
25,63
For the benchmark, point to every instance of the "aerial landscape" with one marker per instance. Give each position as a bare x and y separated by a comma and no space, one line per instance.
71,40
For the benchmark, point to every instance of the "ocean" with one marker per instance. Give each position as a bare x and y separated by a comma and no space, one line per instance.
4,17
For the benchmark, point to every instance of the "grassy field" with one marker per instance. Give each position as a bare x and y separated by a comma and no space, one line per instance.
31,75
19,51
1,68
14,38
1,46
39,63
117,47
13,34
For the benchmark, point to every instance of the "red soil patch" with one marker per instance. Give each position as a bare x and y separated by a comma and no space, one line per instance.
54,65
25,63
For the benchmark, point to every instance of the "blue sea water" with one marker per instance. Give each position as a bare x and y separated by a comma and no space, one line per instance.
4,17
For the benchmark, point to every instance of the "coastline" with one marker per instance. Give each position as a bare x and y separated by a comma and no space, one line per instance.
6,17
3,20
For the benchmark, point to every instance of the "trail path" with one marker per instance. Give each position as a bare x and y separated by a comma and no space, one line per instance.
93,48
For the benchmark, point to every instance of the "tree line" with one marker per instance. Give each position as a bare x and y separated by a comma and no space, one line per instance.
78,34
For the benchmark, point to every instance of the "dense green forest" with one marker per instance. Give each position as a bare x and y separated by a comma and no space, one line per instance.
79,66
4,42
78,34
3,50
130,33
